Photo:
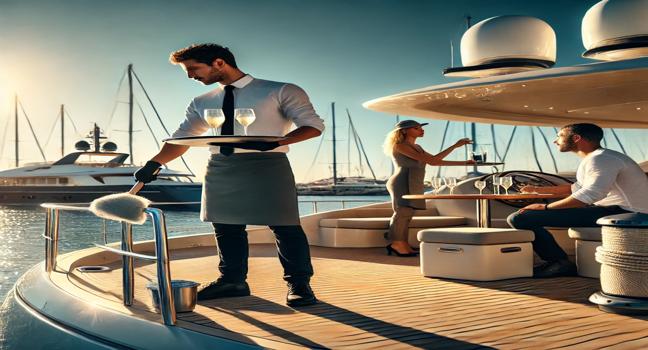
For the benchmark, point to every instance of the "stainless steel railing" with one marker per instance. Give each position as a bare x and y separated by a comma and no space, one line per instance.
161,257
342,201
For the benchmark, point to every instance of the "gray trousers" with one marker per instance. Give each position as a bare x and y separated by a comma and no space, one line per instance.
399,223
536,220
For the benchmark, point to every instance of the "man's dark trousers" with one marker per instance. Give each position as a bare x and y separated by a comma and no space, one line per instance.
536,220
292,245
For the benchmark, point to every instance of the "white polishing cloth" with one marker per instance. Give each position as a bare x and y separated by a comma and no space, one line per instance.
121,207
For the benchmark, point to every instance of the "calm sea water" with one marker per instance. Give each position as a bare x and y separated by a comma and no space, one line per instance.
22,246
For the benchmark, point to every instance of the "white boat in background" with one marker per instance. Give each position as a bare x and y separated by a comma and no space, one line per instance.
366,298
94,171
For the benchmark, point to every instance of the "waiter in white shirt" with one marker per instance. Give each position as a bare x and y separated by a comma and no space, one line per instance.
608,183
247,183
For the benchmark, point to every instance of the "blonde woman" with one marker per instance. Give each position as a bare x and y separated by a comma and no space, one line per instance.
409,171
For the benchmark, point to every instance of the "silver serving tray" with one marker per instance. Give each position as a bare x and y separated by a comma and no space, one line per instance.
204,141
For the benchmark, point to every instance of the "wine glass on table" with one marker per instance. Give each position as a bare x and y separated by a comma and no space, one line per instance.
506,182
451,182
215,118
245,117
480,185
496,184
437,182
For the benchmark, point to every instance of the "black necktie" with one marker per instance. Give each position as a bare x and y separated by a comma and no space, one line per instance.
228,125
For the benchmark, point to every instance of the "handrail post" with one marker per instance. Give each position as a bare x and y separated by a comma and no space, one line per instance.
53,234
128,270
48,240
167,306
315,207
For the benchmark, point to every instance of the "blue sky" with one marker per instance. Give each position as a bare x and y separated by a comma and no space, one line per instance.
348,51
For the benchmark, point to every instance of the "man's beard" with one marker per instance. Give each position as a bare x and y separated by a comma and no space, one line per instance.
568,146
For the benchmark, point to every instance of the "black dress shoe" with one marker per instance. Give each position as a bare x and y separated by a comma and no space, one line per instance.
300,294
222,289
555,269
391,250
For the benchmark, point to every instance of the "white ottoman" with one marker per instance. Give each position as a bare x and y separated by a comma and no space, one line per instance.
587,239
476,254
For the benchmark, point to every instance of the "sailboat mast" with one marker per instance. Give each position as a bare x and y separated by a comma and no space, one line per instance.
16,126
130,112
334,153
473,126
62,131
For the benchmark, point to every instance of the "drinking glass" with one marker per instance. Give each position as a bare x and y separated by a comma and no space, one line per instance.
215,118
480,185
478,156
437,182
245,117
506,182
451,182
496,184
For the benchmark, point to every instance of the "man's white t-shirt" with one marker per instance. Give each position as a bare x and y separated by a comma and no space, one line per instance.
606,177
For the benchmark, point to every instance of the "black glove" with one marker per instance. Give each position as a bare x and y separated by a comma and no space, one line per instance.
148,172
256,145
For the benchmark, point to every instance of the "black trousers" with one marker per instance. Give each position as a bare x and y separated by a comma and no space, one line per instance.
536,220
292,245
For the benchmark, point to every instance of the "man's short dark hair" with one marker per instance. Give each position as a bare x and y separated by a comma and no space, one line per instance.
588,131
203,53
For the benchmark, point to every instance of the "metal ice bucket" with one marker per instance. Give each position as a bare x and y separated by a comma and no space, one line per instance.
184,295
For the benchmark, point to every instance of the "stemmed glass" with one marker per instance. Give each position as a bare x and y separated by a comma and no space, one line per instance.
480,185
245,117
506,182
437,182
496,184
451,182
215,118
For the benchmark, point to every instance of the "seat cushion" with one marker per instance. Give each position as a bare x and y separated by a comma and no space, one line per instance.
585,233
383,223
475,235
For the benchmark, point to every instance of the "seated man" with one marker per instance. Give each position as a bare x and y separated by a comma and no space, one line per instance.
608,183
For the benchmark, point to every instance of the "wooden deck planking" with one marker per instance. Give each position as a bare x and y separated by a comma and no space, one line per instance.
369,300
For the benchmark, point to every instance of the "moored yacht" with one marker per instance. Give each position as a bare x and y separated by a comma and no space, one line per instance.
95,170
366,298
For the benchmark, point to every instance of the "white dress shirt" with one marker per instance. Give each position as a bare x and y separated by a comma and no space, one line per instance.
606,177
276,105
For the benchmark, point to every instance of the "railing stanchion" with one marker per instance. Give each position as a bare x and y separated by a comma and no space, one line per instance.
128,270
50,259
167,307
48,240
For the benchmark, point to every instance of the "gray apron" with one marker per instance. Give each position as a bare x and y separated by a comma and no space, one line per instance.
250,188
407,179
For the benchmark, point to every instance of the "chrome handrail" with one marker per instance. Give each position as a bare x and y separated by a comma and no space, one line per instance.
167,307
343,201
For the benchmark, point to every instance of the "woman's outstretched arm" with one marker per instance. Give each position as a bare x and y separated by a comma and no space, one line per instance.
437,159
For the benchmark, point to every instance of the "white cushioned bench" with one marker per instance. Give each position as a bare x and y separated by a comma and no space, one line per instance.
362,231
476,254
587,239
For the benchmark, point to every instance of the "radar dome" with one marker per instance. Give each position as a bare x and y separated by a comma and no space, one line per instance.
504,45
616,30
109,147
82,146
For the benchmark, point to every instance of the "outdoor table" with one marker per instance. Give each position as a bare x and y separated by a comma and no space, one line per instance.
483,201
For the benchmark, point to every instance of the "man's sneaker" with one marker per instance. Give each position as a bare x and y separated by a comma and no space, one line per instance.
222,289
555,269
300,294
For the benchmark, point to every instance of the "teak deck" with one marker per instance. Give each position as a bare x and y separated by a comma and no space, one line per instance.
369,300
